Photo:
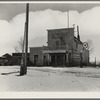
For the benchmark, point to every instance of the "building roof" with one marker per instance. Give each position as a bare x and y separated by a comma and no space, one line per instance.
18,54
36,47
76,39
6,56
60,29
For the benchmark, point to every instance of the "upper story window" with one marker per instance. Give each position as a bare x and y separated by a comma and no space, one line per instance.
62,40
57,43
52,36
76,45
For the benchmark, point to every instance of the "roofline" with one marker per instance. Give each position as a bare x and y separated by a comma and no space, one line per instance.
60,29
36,47
78,40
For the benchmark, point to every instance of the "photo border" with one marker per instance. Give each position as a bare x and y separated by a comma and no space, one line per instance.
49,95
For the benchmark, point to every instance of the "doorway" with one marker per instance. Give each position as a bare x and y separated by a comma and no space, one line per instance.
35,60
58,59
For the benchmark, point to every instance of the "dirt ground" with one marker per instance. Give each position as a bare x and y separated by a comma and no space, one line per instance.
73,79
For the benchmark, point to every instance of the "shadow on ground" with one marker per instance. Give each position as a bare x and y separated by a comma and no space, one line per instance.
9,73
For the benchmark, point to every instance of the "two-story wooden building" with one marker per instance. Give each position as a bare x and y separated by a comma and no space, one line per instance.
63,49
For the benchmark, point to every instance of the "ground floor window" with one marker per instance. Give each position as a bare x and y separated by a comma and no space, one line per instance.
35,59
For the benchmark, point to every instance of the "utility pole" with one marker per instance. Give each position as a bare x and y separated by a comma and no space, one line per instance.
78,36
26,38
68,56
68,18
23,69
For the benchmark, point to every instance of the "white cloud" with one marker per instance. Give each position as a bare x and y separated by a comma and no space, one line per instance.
40,21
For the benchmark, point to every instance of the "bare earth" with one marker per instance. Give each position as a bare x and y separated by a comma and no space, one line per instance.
73,79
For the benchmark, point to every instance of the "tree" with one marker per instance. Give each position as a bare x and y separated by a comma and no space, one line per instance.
19,47
23,44
90,46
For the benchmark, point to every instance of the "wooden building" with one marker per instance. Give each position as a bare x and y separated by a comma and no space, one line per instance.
17,59
63,49
6,60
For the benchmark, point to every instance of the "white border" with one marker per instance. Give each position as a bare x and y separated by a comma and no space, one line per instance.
56,2
18,95
7,95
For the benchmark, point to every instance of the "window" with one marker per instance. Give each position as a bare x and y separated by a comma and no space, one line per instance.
52,36
44,57
35,58
57,43
76,45
62,40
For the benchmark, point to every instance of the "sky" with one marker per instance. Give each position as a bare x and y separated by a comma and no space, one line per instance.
48,16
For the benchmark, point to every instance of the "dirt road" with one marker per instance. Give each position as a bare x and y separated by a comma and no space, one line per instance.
50,79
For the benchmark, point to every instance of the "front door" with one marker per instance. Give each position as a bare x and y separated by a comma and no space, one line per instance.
52,60
58,59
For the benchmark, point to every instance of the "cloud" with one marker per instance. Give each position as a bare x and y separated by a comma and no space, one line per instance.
39,21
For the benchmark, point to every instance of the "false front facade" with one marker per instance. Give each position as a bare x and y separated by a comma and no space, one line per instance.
63,49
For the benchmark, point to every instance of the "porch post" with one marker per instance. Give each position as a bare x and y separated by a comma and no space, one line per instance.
48,59
55,60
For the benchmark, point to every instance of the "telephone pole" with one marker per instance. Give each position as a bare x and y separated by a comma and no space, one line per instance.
26,38
23,69
68,18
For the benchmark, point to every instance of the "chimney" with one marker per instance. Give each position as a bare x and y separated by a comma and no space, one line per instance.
78,36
